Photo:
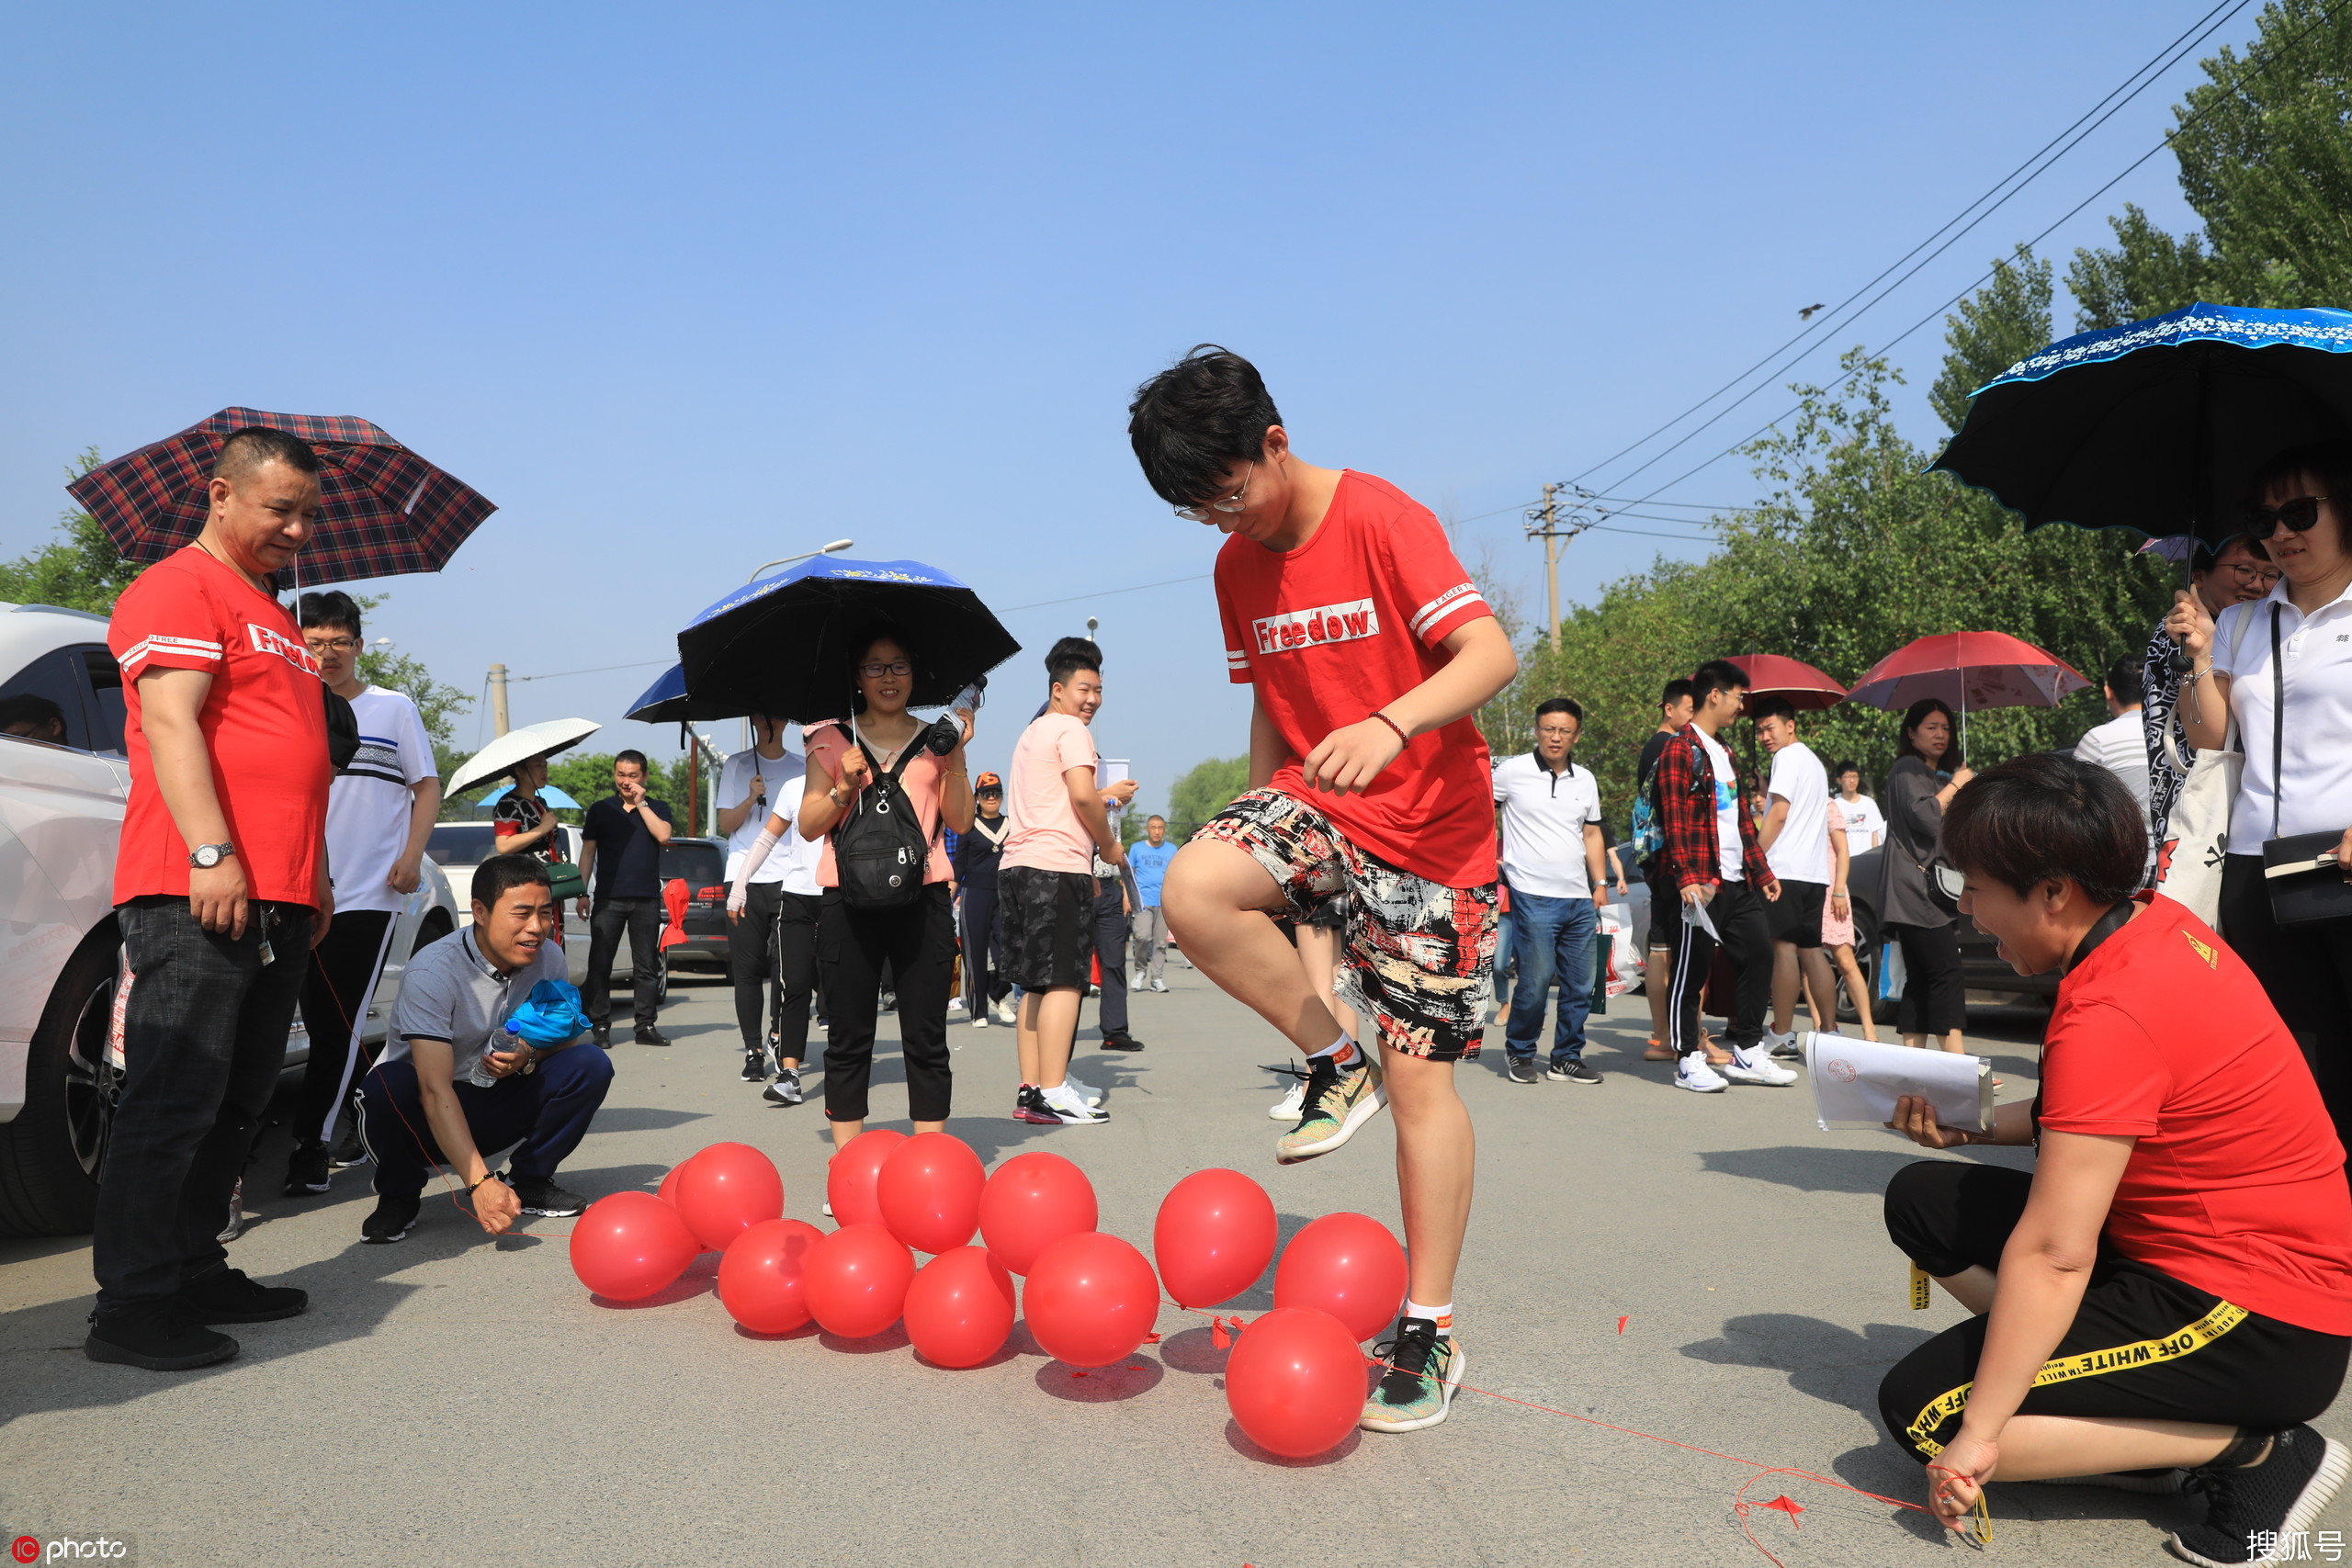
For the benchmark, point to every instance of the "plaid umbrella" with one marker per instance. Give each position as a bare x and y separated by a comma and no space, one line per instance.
384,511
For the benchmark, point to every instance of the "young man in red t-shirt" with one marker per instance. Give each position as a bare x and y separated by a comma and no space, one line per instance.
221,888
1367,647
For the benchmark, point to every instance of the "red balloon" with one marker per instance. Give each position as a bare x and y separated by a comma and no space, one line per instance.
1030,1202
669,1192
762,1279
630,1245
1347,1265
725,1191
929,1190
855,1281
1090,1298
1215,1235
850,1178
959,1309
1296,1382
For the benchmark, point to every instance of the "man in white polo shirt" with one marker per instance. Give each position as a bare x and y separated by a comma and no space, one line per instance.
1552,856
774,940
1795,836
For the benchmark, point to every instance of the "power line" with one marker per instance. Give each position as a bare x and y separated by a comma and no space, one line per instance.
599,670
2176,54
1107,592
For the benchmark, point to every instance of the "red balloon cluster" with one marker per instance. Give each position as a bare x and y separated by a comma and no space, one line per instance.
1294,1382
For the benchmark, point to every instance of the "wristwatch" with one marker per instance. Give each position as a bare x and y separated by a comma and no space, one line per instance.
204,857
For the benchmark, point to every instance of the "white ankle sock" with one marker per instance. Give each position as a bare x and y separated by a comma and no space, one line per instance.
1344,1051
1441,1316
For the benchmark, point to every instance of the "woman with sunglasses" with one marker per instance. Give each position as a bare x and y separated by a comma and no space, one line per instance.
917,939
2298,777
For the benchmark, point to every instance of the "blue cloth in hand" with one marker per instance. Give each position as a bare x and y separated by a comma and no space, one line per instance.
551,1016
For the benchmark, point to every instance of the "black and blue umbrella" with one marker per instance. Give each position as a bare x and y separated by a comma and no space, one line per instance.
665,701
2157,425
784,646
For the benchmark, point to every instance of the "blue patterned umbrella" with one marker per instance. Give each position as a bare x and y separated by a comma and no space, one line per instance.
2157,425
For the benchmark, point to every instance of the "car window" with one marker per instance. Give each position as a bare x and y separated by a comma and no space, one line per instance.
696,862
461,843
106,714
52,688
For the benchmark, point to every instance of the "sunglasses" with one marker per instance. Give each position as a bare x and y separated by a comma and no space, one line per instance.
2298,515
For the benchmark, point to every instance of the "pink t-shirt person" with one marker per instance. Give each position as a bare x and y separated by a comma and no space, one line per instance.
1047,833
828,744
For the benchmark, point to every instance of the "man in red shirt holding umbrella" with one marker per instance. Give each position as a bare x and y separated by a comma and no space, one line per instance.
220,886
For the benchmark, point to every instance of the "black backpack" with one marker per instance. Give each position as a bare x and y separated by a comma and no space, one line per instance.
880,851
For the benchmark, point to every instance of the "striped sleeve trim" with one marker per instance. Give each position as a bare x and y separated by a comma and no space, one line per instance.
172,650
1460,597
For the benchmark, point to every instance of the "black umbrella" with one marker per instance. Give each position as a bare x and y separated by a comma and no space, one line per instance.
2157,425
785,645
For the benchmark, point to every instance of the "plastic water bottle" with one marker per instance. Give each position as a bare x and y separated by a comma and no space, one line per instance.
510,1041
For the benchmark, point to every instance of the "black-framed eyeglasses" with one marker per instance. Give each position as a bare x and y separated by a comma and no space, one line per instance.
1231,503
875,672
2298,515
339,644
2252,576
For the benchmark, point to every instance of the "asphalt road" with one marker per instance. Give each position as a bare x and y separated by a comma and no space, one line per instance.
455,1399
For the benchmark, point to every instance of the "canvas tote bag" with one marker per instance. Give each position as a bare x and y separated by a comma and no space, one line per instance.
2189,862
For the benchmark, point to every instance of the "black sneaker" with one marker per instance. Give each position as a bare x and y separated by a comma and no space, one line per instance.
1524,1070
786,1090
647,1035
349,1150
394,1218
756,1066
603,1036
1030,1105
1571,1072
158,1335
541,1196
306,1171
2273,1502
1123,1040
226,1295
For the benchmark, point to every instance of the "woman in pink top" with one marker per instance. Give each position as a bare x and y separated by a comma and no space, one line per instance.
917,939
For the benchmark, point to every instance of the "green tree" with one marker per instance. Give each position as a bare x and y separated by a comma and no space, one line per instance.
2266,162
1203,791
2003,322
436,703
79,570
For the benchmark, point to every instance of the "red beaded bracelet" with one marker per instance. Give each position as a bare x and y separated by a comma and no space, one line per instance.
1402,739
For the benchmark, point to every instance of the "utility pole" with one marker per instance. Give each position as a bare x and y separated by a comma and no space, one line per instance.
498,698
1544,523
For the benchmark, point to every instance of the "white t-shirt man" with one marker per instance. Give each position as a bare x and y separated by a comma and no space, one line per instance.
1544,814
1727,807
1865,823
2120,746
1800,853
368,804
792,864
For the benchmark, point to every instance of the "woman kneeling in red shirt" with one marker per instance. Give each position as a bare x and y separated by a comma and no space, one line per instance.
2168,1298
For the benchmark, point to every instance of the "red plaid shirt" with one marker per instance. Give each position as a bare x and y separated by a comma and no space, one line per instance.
1685,781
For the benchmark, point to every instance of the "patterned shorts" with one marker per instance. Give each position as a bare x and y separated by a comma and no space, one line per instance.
1419,956
1048,926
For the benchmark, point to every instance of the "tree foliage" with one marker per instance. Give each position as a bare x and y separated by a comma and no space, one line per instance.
436,703
1203,791
2003,322
80,570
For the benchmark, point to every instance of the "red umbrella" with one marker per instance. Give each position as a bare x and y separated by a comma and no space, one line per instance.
383,509
1968,669
1773,676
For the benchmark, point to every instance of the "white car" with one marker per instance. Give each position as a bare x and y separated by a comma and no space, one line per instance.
61,814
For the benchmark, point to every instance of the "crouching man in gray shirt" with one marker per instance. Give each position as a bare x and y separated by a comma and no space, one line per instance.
422,1104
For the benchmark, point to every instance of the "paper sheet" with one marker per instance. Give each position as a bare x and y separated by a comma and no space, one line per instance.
1855,1083
1109,771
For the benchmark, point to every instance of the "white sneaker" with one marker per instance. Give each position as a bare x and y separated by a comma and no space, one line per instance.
1159,985
1753,1064
1290,1106
1085,1091
1006,1016
829,1211
955,1004
1064,1103
980,1020
1693,1074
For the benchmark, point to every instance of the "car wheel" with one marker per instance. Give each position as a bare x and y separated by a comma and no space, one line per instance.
51,1154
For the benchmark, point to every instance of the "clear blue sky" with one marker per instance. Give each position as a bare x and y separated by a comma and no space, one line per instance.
683,291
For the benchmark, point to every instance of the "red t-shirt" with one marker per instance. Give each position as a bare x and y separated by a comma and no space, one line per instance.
264,722
1346,622
2236,1184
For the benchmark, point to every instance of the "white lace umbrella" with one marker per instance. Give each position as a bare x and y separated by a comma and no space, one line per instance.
515,746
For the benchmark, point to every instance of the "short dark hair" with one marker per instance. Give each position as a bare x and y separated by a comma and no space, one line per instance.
1070,656
1716,675
1155,816
2204,556
2043,817
1839,769
30,707
1914,716
250,447
2329,462
331,608
1568,705
632,755
1772,707
2124,680
494,877
1677,691
1197,419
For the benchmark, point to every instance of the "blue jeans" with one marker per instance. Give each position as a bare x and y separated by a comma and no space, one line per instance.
1551,940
